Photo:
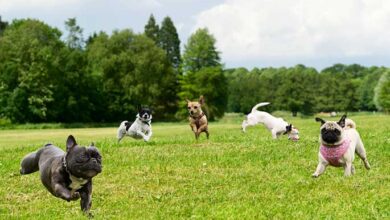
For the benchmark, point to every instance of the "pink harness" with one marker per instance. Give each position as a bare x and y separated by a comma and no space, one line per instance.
334,154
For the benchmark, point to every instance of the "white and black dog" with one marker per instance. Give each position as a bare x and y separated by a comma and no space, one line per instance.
141,127
277,126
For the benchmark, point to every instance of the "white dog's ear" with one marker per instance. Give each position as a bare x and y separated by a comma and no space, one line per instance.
342,121
187,100
288,129
321,120
201,100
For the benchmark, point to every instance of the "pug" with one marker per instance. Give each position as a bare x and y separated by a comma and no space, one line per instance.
66,175
198,120
339,142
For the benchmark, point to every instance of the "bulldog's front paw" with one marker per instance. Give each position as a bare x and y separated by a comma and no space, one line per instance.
314,175
75,196
146,139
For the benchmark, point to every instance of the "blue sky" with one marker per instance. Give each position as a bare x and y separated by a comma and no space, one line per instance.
249,33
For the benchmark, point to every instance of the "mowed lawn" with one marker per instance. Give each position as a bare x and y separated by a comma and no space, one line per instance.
231,176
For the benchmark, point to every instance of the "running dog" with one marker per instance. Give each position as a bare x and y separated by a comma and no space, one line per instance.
277,126
198,120
339,142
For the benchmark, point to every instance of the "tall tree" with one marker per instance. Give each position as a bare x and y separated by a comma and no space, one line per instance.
75,34
3,25
169,41
30,53
151,29
382,92
204,77
200,51
134,72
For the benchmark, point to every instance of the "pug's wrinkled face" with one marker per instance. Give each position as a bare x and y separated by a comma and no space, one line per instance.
331,131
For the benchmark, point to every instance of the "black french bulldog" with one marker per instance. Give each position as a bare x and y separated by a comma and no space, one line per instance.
66,175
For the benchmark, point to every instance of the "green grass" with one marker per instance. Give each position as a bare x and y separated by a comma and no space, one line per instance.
231,176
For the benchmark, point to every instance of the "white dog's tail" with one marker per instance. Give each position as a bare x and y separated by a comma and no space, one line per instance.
259,105
349,124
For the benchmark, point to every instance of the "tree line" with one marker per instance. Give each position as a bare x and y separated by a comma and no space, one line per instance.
46,76
340,88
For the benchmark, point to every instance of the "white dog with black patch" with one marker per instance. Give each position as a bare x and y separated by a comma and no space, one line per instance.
277,126
141,127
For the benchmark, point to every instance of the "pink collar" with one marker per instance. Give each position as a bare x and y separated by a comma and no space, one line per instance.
334,154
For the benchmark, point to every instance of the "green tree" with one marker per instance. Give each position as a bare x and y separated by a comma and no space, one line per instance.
205,77
200,51
382,92
367,88
134,72
3,25
170,42
75,34
30,53
151,29
209,82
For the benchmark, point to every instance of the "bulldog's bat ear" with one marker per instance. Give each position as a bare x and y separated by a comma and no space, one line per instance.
342,121
92,144
201,100
70,142
320,120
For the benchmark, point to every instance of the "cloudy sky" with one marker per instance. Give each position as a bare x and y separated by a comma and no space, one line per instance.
249,33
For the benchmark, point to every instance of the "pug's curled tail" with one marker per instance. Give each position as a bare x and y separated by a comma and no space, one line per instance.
259,105
349,124
30,162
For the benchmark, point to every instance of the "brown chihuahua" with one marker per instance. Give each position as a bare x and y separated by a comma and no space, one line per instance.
198,120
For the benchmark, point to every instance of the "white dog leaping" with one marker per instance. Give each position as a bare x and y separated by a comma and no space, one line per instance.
277,126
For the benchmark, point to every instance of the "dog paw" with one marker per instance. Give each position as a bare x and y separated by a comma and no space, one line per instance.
314,175
75,196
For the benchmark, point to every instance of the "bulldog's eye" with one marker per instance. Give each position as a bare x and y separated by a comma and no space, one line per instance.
82,158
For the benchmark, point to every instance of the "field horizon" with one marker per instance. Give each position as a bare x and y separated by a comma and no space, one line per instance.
233,175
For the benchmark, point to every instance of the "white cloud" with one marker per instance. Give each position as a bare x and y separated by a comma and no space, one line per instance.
6,5
301,29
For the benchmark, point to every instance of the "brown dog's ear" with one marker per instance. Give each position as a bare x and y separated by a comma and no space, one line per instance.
201,100
187,100
321,120
342,121
70,142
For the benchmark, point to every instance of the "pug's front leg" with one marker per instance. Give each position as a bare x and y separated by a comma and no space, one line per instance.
348,168
320,169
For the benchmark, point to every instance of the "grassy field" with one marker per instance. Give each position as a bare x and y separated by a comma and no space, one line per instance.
231,176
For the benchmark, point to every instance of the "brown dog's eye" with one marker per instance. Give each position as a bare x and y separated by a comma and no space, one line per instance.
189,107
195,107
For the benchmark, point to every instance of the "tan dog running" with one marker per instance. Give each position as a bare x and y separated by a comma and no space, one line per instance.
198,120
